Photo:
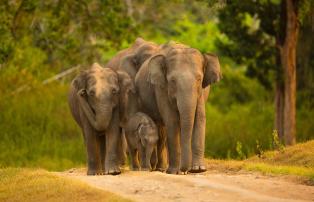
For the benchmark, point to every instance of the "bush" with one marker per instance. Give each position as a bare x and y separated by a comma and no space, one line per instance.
38,130
241,125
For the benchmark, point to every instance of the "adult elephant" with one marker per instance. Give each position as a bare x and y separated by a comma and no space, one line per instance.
173,86
94,100
129,61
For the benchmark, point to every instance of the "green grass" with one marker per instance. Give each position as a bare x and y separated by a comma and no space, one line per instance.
284,170
37,130
40,185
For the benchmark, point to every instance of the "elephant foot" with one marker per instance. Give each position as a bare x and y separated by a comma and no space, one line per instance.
174,171
93,172
160,169
198,169
115,170
135,169
185,169
146,169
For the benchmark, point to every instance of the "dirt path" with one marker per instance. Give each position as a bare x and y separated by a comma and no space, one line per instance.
160,187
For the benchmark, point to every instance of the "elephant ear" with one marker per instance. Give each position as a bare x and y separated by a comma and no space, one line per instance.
212,73
157,68
128,64
80,81
140,134
125,82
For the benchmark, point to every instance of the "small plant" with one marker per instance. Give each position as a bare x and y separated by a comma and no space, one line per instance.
239,150
276,142
259,150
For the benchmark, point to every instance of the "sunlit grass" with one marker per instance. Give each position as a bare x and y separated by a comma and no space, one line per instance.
40,185
276,169
295,160
301,154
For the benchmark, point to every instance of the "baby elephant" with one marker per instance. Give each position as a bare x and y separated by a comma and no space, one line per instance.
142,136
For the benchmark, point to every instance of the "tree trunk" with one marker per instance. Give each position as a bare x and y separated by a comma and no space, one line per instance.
129,7
279,109
288,62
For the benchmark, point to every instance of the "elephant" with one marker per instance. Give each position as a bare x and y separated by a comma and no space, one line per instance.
142,137
129,61
173,86
94,104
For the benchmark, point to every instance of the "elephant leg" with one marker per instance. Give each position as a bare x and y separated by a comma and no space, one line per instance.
93,154
198,138
102,141
135,165
172,126
145,159
122,144
154,159
142,158
112,145
174,152
161,150
133,151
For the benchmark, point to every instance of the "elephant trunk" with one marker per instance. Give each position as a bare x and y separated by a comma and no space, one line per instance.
148,154
98,117
187,108
102,118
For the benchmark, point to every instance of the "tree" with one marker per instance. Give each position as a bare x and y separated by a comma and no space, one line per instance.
68,31
288,61
263,34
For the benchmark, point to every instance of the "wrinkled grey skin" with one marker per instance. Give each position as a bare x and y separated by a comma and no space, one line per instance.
93,100
173,86
129,61
142,136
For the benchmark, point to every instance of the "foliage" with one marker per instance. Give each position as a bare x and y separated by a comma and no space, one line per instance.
38,130
277,144
239,150
251,30
68,32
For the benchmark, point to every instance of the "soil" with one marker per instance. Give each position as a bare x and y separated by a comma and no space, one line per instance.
208,186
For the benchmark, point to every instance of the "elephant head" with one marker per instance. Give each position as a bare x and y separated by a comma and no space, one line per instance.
98,94
132,62
183,72
148,134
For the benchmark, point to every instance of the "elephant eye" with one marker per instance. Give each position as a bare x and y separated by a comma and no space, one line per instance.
91,93
115,91
199,78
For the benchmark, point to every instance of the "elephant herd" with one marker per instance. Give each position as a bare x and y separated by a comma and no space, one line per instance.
150,99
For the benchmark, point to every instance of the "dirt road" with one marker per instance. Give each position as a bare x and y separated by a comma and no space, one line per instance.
160,187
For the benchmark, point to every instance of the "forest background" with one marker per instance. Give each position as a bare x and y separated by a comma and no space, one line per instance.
41,39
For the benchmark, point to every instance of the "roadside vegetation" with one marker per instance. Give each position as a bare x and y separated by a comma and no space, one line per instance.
297,160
